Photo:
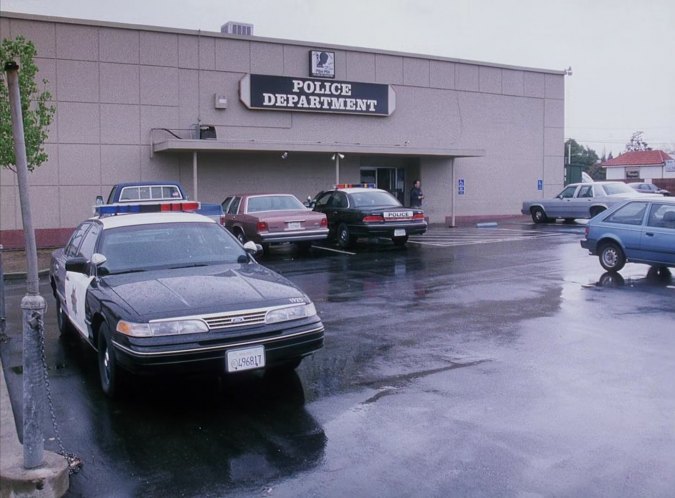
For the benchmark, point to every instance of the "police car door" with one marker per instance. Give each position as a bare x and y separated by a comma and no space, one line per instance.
77,284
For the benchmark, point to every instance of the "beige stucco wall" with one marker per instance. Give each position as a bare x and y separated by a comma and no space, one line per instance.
113,83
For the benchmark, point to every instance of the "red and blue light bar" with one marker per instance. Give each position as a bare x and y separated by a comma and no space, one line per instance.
355,185
158,207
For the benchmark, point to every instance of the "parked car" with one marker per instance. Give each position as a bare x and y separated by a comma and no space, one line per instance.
158,291
578,200
273,218
638,231
355,212
649,188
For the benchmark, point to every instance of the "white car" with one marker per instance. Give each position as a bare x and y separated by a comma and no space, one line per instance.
580,200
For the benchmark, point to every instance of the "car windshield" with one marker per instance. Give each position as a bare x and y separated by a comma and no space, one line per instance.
168,245
616,188
273,203
373,198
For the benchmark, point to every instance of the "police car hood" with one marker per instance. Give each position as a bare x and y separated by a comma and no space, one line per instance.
209,289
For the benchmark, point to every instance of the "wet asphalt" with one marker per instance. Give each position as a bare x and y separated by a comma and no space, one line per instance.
475,362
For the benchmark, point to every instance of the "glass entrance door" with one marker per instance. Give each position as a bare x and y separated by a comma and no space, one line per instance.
390,179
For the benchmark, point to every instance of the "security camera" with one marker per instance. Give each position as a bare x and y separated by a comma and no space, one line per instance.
341,156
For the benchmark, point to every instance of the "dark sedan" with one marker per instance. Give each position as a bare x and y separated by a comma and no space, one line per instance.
273,218
355,212
157,291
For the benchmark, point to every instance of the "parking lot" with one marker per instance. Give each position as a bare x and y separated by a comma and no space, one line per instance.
496,361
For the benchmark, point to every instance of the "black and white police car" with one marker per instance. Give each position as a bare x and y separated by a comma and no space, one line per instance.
151,289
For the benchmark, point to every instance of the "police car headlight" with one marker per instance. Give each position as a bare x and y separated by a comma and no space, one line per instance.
290,313
154,329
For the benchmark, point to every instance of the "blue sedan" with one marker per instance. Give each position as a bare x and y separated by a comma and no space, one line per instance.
636,231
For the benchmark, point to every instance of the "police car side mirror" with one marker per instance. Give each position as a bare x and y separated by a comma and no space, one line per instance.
252,248
99,200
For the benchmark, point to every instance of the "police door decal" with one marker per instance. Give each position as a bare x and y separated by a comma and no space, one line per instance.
76,293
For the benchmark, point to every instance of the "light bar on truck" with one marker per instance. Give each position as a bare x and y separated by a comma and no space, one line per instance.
158,207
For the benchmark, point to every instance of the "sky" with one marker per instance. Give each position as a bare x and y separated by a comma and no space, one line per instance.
622,52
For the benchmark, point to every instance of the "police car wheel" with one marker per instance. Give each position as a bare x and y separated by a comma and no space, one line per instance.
107,368
344,238
62,320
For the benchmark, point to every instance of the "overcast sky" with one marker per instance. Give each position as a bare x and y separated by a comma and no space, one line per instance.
622,52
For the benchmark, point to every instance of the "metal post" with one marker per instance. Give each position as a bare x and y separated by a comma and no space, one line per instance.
337,168
2,297
194,175
32,304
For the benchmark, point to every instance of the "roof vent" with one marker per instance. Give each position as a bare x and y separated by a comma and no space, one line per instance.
237,28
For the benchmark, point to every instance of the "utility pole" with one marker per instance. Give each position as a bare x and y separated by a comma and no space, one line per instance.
32,304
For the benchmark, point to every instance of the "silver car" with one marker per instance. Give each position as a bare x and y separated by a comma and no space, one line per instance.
580,200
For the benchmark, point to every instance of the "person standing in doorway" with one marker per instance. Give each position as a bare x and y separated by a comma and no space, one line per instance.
416,194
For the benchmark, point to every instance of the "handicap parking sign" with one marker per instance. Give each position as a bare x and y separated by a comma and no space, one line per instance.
460,186
540,184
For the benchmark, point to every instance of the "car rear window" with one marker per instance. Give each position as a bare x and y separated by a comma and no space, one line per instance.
374,198
150,193
631,214
273,203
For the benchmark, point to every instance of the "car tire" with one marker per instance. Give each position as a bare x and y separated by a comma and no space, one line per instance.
109,372
344,238
62,320
538,215
611,257
240,236
399,241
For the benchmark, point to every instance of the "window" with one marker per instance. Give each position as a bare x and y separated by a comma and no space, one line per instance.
89,242
662,215
630,214
324,199
71,249
586,191
234,206
568,192
150,192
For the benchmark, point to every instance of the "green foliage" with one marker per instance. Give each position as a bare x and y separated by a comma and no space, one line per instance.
578,155
37,111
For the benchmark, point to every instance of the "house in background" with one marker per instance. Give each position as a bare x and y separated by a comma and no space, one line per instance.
651,166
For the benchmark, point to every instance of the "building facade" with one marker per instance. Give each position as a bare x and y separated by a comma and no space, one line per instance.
640,165
224,114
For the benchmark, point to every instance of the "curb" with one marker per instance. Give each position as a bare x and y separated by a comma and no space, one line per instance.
22,276
49,480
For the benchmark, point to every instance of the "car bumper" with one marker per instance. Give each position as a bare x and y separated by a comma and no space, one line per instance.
295,236
387,230
280,347
588,244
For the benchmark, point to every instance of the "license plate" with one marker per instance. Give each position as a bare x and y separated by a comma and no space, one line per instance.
294,225
397,215
245,359
399,232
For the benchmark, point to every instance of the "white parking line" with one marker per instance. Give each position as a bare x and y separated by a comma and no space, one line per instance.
473,236
334,250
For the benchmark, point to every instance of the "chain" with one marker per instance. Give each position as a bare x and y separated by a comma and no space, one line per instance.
74,463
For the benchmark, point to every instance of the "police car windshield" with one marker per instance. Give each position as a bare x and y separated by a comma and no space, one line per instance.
168,245
373,198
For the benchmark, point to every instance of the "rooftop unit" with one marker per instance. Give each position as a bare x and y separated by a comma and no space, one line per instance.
237,28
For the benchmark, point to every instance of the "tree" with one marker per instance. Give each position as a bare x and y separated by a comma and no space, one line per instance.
578,155
637,143
37,111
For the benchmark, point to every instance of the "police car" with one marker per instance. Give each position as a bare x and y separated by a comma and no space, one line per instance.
361,210
152,287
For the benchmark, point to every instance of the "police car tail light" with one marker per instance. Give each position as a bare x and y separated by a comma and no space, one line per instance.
290,313
262,226
373,218
161,328
418,216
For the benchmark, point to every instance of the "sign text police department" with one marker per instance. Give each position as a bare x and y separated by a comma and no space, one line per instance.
283,93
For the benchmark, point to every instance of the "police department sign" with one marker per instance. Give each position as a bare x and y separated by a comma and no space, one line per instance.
281,93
